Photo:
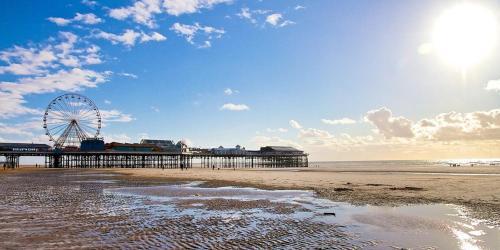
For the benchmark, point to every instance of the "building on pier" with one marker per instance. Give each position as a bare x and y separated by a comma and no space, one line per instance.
24,147
280,150
93,144
131,147
238,150
12,152
167,145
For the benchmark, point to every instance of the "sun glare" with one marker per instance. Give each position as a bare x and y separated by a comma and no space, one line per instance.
465,34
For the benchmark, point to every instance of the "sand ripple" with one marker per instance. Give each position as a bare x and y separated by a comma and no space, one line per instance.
62,209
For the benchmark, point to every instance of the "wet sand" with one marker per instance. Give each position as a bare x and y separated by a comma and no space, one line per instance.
89,208
475,187
62,209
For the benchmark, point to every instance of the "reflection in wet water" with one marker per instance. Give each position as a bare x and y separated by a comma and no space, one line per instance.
420,226
61,209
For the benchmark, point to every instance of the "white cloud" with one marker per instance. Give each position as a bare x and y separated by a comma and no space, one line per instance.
12,93
27,61
89,18
447,135
179,7
229,91
451,126
144,11
315,136
493,85
59,21
93,56
261,141
89,3
13,105
279,130
130,37
388,125
37,60
63,80
20,129
205,44
343,121
234,107
186,30
51,66
154,36
189,32
245,13
114,116
107,102
130,75
253,16
155,109
286,23
299,7
276,20
294,124
29,131
455,126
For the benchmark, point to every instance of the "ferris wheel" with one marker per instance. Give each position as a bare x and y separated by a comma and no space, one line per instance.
71,118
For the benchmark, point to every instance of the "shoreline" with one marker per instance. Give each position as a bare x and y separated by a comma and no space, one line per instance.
381,186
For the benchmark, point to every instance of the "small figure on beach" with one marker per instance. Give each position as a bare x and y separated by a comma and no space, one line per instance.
182,167
213,167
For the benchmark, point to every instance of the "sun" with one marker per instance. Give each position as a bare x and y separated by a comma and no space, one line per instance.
465,35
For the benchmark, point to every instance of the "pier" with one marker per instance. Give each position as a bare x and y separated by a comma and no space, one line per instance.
157,160
264,158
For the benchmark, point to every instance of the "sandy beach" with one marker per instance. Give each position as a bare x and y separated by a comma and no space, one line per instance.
171,209
475,187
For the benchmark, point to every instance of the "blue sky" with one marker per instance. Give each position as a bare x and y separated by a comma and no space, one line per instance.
343,80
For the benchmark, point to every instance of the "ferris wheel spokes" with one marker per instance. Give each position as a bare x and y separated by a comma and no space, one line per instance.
71,118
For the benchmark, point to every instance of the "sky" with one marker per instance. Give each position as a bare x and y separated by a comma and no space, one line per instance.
342,80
